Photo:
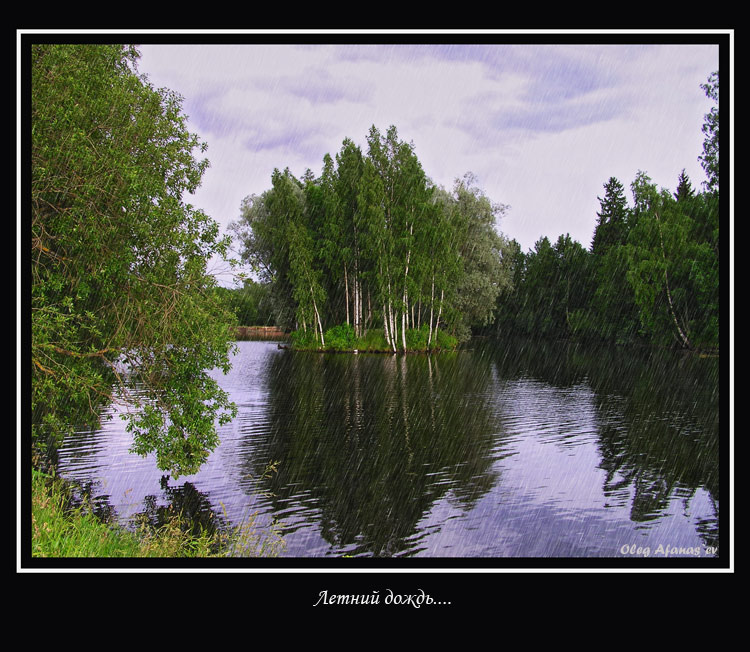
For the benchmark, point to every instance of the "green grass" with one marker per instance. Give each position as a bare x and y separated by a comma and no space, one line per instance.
59,530
342,338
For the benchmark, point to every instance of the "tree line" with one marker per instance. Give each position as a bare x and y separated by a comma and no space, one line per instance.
372,244
650,275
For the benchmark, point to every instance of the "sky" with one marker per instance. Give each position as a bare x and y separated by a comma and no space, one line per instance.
542,127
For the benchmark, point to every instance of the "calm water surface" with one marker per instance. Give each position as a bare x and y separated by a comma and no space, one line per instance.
503,450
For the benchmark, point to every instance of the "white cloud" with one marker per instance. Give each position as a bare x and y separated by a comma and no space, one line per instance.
543,128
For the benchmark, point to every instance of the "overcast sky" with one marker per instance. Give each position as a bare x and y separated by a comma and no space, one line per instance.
542,127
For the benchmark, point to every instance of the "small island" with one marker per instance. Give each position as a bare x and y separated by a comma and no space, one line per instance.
343,339
371,255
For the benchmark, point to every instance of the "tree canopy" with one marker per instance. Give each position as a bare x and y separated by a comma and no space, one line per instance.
122,307
651,274
373,244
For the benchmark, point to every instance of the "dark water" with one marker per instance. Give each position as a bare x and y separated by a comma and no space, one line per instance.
504,450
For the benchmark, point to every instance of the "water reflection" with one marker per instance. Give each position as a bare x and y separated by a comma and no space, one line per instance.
656,426
376,440
504,450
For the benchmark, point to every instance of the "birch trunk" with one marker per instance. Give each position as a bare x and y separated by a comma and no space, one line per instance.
359,306
354,301
346,293
317,314
432,306
440,312
405,309
683,337
385,327
394,324
369,309
405,306
403,329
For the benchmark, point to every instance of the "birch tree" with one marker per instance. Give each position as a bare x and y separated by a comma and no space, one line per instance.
671,271
286,204
354,264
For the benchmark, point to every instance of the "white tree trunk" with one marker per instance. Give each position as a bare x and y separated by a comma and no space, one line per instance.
317,314
354,302
385,327
346,293
432,305
359,306
440,311
683,336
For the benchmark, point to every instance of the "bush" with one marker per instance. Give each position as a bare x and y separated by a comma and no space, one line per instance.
416,339
304,339
373,340
341,338
445,342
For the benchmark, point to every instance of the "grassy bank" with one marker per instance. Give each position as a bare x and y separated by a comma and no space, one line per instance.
342,338
59,529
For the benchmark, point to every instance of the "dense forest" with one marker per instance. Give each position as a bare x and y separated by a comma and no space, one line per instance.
373,249
650,274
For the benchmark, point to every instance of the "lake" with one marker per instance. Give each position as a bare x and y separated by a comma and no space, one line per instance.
502,450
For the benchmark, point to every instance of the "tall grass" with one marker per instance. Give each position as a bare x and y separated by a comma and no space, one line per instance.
60,529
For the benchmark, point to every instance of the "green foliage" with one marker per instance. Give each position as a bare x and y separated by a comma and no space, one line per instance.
652,274
373,340
341,338
674,272
612,218
250,304
304,339
480,272
371,243
551,292
121,303
417,339
710,157
445,342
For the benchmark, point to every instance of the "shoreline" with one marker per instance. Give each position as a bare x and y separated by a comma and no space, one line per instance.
290,347
259,333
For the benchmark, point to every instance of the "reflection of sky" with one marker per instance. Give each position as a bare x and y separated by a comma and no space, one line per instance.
563,118
128,479
105,457
550,498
